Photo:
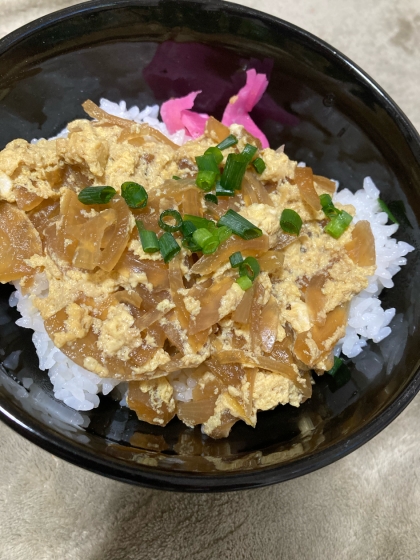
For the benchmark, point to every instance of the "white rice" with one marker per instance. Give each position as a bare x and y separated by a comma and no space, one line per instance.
367,318
79,388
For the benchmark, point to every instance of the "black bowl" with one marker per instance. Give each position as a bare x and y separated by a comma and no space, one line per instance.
327,112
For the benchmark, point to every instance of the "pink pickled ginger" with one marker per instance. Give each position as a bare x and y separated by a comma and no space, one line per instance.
173,110
177,114
239,106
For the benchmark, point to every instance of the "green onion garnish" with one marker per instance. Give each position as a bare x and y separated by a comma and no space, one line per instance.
202,235
206,180
168,246
96,195
149,241
233,172
223,233
290,221
200,222
221,191
134,194
187,228
249,152
249,267
206,240
244,282
176,178
398,210
216,153
339,224
338,362
191,245
385,208
236,259
328,206
210,246
239,225
338,376
207,163
173,214
211,198
229,141
259,165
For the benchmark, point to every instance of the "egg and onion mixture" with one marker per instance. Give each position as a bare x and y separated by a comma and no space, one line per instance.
246,316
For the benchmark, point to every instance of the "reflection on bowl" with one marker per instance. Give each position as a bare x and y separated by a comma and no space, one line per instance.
326,111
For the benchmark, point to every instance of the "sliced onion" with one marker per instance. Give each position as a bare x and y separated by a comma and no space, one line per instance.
210,303
145,406
361,248
304,180
216,130
258,188
269,322
115,248
256,316
271,261
144,129
242,313
325,184
314,298
208,264
19,240
176,283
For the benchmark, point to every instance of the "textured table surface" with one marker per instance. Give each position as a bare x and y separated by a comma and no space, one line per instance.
366,506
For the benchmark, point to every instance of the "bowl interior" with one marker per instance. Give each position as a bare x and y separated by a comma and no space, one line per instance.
325,112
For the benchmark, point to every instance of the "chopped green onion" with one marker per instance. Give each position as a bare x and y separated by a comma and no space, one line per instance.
338,362
207,163
340,376
149,241
221,191
398,210
249,267
191,245
236,259
339,224
211,198
244,282
202,235
96,195
259,165
176,178
249,152
175,215
216,153
239,225
206,240
134,194
223,233
290,221
385,208
233,172
168,246
187,228
210,246
200,222
229,141
206,180
328,206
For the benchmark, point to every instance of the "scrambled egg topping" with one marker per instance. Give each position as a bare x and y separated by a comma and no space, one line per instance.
125,319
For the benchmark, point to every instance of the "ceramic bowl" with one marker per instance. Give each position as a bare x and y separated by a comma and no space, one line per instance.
326,111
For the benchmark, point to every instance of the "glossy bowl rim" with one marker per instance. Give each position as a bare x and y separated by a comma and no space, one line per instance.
165,479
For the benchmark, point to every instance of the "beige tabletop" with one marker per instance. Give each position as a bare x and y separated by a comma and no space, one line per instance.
366,506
